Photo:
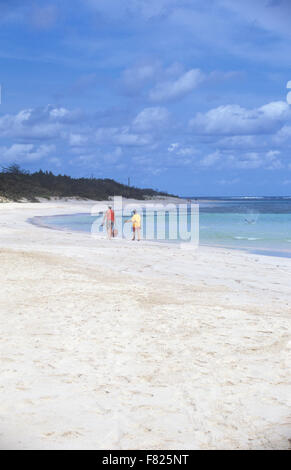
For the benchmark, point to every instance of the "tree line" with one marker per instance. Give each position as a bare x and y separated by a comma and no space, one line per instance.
17,184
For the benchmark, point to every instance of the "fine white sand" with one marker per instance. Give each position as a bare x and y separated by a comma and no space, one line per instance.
122,345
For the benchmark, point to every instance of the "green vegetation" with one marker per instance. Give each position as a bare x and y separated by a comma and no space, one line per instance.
17,184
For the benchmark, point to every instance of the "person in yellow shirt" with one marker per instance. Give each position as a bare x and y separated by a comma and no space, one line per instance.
136,224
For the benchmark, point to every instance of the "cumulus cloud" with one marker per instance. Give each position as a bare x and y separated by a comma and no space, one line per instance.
55,161
25,152
151,118
173,147
19,126
37,123
76,140
182,150
134,79
211,159
121,136
245,160
113,156
58,126
98,157
272,160
171,90
161,83
242,142
234,119
129,139
283,135
57,112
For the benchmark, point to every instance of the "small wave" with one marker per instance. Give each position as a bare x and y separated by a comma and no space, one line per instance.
247,238
252,197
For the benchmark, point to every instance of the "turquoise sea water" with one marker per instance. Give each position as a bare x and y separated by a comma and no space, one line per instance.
261,225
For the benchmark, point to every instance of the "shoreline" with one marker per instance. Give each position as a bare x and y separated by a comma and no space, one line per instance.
127,346
255,251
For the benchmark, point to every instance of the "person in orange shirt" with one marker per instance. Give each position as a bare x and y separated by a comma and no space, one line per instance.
109,217
136,224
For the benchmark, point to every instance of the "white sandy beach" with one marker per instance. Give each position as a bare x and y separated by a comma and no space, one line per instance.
121,345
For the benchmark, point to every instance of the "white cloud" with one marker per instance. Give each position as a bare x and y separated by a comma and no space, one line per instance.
173,147
151,118
245,161
253,160
113,156
233,119
121,136
187,151
171,90
76,140
58,112
25,152
210,159
36,123
56,161
166,83
275,110
130,139
272,161
135,78
283,135
182,150
242,142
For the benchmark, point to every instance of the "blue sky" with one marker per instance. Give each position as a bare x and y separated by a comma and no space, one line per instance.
186,96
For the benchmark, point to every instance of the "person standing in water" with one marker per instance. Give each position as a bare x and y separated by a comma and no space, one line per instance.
136,224
109,218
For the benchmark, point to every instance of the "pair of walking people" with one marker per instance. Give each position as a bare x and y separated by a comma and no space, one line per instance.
109,218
